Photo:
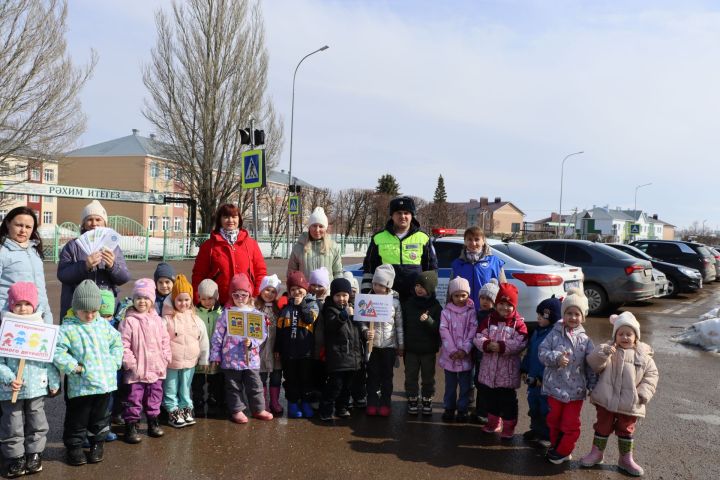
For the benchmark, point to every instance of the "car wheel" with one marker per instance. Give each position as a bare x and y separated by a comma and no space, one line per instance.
672,287
597,298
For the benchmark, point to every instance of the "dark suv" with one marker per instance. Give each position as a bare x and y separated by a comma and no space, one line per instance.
690,254
612,277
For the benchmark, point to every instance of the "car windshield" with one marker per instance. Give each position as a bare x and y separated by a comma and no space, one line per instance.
635,252
613,252
524,254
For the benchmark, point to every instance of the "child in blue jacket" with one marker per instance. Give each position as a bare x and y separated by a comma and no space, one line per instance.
548,312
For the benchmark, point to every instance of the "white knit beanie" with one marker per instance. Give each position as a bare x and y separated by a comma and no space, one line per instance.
625,319
208,288
353,281
270,281
384,275
318,216
320,276
575,298
490,290
94,208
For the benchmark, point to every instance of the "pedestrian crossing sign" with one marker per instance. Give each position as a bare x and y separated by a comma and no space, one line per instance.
253,168
635,228
294,205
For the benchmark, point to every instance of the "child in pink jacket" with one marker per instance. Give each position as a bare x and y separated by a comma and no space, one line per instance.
458,326
146,354
502,337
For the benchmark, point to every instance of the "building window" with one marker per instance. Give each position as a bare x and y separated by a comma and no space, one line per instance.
49,175
178,224
33,198
152,223
167,173
154,170
165,224
47,217
48,199
34,174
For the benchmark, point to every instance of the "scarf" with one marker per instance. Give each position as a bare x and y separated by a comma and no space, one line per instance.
473,257
230,236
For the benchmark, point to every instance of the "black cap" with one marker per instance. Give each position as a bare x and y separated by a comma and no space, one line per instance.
402,203
340,285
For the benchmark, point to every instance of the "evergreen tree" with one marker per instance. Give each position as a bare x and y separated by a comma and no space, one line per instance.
440,194
388,185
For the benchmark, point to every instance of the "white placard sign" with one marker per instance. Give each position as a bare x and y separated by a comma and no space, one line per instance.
373,308
27,339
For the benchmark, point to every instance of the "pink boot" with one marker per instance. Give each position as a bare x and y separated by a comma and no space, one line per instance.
508,429
493,425
595,457
264,415
239,417
626,462
275,406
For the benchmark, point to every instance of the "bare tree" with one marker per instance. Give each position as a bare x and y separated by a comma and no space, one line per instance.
207,78
40,114
353,211
274,201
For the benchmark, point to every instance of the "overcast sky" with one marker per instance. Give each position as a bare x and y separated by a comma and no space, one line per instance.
490,94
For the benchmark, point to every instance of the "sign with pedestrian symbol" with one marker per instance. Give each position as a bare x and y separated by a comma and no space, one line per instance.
635,228
294,206
253,169
23,338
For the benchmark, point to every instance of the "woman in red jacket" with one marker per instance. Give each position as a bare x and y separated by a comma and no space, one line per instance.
228,251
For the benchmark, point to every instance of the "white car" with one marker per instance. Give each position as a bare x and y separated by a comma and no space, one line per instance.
535,275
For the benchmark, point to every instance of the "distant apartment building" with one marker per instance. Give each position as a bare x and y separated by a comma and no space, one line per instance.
496,217
24,170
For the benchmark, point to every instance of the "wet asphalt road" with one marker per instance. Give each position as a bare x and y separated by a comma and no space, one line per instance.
680,438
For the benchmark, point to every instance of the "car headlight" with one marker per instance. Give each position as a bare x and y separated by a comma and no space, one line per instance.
689,272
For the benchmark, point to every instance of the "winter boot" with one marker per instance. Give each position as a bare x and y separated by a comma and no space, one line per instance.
493,425
626,462
239,417
508,429
307,409
33,463
131,434
294,410
96,453
154,429
595,457
264,415
75,456
15,467
448,415
427,406
412,406
275,407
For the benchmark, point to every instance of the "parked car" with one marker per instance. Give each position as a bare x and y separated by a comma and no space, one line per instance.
661,283
611,277
681,279
716,253
690,254
536,276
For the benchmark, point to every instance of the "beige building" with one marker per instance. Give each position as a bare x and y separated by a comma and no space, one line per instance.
133,163
496,217
26,171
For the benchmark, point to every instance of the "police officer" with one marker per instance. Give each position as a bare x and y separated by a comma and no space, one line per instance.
401,244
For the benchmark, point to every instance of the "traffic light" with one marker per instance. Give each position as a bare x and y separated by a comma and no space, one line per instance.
245,136
259,137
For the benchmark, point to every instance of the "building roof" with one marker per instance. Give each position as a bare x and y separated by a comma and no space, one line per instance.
281,178
133,145
492,206
600,213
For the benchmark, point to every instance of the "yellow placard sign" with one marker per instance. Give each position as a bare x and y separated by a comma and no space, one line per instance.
255,324
236,323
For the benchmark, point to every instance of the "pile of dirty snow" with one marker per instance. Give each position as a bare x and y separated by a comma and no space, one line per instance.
705,333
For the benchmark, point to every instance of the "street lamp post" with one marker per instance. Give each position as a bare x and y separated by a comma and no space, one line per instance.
636,190
562,173
292,121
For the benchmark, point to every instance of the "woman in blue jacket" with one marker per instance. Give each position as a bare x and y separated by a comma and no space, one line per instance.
21,257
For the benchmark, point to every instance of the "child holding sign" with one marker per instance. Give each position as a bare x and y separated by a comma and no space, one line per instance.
189,345
239,332
146,355
387,341
23,425
209,310
295,342
89,352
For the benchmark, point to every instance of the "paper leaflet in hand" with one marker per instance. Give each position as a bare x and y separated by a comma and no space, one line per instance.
98,239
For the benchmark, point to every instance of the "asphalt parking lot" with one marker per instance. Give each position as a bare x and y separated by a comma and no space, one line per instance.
680,438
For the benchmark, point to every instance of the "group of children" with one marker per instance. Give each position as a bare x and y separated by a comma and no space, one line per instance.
178,355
